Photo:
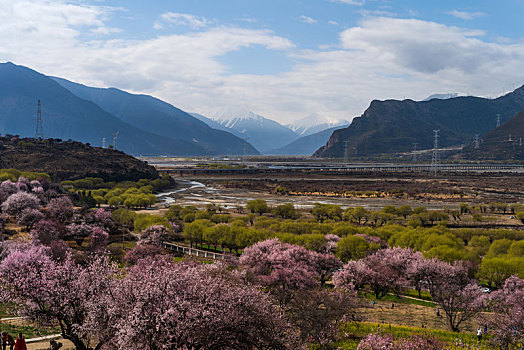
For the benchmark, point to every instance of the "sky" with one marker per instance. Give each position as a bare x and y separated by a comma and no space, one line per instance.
283,59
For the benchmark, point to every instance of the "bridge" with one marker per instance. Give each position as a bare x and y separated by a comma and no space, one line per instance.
193,251
347,169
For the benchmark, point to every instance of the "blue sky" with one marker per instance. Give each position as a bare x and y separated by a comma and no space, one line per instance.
284,59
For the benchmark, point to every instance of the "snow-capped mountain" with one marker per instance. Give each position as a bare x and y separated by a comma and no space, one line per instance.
441,96
315,123
263,133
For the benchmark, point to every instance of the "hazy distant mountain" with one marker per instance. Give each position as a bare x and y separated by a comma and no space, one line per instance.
441,97
503,143
393,126
306,145
67,116
265,134
314,123
213,124
156,116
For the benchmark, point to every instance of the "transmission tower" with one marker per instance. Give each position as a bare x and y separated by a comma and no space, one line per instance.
435,159
510,139
115,137
39,134
476,142
103,142
346,152
415,152
498,120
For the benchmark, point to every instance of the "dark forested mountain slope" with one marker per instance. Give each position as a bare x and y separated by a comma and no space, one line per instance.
393,126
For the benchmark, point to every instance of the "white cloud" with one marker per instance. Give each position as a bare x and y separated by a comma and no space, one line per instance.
379,58
335,23
308,20
466,15
350,2
182,19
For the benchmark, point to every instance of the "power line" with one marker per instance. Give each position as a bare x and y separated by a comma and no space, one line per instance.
476,142
115,137
435,159
415,152
346,151
39,133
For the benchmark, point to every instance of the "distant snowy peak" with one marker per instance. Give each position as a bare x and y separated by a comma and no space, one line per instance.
441,96
314,123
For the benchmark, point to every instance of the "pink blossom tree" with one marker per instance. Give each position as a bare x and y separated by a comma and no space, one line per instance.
98,239
163,305
381,273
29,217
66,294
507,323
141,251
460,298
17,202
46,231
61,209
103,218
285,268
155,234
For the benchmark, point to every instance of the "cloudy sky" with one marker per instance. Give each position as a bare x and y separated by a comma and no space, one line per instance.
284,59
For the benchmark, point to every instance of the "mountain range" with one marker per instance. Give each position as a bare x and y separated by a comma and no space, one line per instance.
263,133
394,126
145,124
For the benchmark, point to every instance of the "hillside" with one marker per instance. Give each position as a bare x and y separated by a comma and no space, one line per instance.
393,126
158,117
67,116
71,160
263,133
503,143
306,145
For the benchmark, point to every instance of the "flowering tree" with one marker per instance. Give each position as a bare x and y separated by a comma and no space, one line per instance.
29,217
98,239
285,268
155,234
319,313
103,218
163,305
50,292
508,321
17,202
46,231
459,297
79,231
61,209
382,272
141,251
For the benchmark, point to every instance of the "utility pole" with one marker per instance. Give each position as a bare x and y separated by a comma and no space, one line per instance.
39,134
415,152
346,152
476,141
115,137
435,159
498,120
